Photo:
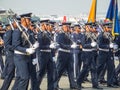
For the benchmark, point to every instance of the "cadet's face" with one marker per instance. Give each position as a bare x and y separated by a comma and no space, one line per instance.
25,21
91,28
94,29
107,29
43,26
28,21
49,28
87,29
65,28
71,30
77,29
32,27
0,28
8,28
14,25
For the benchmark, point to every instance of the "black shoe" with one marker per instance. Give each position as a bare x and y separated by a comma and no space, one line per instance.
58,88
74,88
31,89
2,77
103,82
86,80
117,84
113,86
65,74
97,87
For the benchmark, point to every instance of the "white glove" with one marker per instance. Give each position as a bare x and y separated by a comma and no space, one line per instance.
52,45
35,61
115,47
111,45
74,45
93,44
36,45
56,45
30,50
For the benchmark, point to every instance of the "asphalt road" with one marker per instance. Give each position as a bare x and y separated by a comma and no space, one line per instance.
64,83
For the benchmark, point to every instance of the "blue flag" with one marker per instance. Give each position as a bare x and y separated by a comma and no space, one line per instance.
116,29
112,15
110,12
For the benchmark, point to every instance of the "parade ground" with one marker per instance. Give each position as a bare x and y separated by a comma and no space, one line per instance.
64,83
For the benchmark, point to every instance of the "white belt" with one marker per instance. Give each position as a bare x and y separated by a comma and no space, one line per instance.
64,50
87,50
45,50
18,52
106,50
94,49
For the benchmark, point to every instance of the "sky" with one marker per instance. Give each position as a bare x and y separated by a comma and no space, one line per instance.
54,7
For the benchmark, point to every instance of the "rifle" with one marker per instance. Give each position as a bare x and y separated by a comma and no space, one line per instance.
44,31
23,33
10,22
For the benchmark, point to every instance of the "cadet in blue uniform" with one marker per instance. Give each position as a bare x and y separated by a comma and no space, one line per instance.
105,56
88,45
22,54
64,59
93,33
117,41
76,37
52,33
33,57
44,55
9,68
1,48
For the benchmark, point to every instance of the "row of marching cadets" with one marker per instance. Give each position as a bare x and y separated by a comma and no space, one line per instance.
1,48
75,50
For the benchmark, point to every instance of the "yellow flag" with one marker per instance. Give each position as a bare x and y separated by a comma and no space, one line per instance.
92,14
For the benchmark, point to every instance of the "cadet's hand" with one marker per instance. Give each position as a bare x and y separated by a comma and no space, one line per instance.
111,45
115,47
80,46
52,45
74,45
1,42
35,61
93,44
36,45
30,50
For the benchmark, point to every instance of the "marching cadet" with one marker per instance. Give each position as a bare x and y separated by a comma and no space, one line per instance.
101,78
52,34
33,57
117,41
64,59
1,48
9,68
88,45
22,54
2,30
76,37
93,34
44,55
105,56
